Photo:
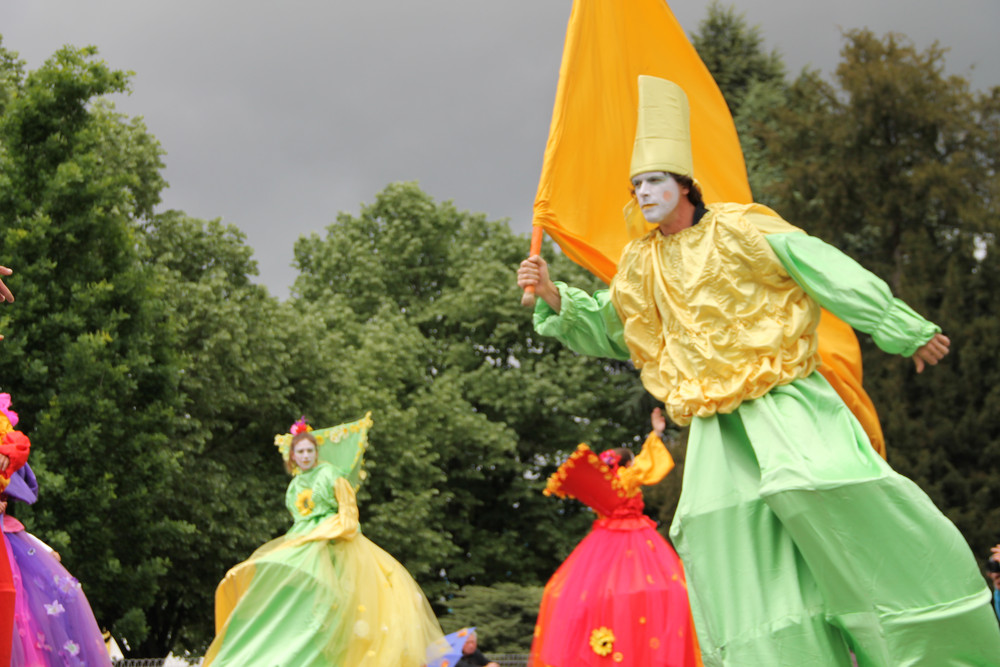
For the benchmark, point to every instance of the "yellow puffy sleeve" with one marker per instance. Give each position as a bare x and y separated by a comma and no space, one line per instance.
767,221
652,464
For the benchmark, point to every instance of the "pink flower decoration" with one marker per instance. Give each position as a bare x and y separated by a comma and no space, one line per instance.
610,458
5,409
301,426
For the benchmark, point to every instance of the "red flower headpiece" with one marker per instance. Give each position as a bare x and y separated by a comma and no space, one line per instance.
611,458
301,426
5,409
13,444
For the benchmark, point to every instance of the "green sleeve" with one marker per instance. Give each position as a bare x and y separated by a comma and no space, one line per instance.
852,293
585,324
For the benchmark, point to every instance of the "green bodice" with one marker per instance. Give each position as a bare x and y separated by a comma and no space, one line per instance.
310,497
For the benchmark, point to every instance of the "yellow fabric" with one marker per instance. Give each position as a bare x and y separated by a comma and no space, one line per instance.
228,593
662,139
650,466
340,526
766,220
706,345
584,182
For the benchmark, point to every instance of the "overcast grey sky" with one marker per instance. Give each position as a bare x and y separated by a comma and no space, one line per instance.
277,116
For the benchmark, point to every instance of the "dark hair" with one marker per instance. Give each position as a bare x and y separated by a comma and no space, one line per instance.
626,456
694,192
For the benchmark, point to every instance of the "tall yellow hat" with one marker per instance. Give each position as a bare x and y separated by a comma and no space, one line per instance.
663,129
662,140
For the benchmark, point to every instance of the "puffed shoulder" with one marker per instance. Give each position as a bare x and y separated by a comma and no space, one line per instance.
765,219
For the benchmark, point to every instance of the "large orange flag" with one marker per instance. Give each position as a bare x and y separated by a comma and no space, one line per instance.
584,183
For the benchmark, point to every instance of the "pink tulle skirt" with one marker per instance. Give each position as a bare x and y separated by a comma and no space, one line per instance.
53,623
620,598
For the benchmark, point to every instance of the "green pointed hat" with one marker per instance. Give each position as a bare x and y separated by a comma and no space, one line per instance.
344,446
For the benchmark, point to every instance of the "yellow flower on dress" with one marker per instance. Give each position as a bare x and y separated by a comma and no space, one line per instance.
602,640
304,502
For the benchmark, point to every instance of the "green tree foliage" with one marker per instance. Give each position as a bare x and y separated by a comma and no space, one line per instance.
752,81
89,356
734,53
248,363
503,615
149,370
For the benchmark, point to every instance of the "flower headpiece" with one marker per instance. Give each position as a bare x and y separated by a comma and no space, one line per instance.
15,445
283,441
8,418
301,426
343,446
611,458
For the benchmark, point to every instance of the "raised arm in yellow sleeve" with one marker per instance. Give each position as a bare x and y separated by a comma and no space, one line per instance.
652,464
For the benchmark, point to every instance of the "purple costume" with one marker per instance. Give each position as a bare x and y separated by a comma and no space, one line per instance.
53,623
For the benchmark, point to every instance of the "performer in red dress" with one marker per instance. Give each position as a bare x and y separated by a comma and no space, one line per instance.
620,598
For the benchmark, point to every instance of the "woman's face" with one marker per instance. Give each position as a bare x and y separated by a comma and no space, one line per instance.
304,454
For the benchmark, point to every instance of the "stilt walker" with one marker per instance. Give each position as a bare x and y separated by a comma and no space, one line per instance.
784,498
719,305
610,43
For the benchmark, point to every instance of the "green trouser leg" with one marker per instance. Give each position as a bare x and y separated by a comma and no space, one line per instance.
753,598
799,541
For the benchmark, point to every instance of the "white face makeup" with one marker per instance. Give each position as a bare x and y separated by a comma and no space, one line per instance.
657,194
304,454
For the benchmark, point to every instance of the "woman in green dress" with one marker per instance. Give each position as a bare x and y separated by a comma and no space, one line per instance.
322,594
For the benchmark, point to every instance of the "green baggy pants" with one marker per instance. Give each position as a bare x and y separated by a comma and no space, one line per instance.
800,543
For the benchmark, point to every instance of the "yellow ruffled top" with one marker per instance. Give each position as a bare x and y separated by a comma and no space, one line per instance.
704,335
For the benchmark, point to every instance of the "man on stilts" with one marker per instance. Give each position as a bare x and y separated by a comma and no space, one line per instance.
800,543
